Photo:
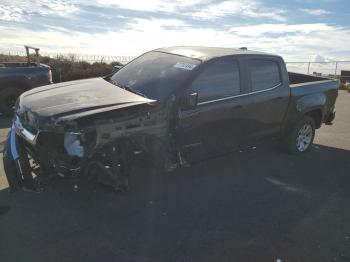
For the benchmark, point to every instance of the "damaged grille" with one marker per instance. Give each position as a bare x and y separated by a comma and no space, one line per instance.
29,157
28,148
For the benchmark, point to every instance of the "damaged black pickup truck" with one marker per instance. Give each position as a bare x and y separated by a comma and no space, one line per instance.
177,104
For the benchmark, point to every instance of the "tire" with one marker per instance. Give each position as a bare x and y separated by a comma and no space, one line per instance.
8,97
301,137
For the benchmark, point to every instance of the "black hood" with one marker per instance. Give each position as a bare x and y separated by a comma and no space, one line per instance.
81,97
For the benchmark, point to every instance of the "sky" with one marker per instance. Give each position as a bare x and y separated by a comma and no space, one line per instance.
299,30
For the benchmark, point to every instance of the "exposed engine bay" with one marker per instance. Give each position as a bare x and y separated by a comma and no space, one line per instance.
98,146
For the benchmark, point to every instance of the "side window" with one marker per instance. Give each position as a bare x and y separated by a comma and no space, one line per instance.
264,74
218,80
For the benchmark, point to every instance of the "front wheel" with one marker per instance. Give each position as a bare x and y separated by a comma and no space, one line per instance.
301,136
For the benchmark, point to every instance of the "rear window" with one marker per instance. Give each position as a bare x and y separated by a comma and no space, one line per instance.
264,74
218,80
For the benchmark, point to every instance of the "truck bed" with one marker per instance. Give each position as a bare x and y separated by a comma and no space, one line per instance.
316,90
301,84
296,78
313,83
21,69
21,65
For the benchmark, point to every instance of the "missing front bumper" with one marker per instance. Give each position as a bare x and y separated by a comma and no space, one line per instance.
11,162
18,169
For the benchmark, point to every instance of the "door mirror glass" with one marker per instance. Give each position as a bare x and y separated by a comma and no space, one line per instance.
116,68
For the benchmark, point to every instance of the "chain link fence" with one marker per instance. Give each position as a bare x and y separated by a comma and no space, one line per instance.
91,58
327,68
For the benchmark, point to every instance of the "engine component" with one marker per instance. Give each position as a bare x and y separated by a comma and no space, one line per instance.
73,145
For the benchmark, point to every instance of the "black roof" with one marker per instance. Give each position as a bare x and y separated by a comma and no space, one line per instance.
207,53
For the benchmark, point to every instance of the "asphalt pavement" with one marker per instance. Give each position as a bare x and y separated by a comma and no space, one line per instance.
260,204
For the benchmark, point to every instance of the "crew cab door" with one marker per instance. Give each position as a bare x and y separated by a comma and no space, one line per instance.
268,95
207,126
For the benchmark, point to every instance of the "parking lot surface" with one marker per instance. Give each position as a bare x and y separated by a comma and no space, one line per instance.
256,205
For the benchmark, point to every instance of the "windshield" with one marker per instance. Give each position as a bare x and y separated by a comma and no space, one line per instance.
155,74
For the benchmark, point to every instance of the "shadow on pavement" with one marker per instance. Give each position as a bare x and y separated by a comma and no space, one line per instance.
5,123
258,205
2,145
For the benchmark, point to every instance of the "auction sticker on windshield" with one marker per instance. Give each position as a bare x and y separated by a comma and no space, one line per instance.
186,66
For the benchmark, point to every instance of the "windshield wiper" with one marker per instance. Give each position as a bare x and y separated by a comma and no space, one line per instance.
128,88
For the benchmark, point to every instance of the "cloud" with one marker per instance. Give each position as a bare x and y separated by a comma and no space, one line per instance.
201,9
130,27
58,7
150,5
10,13
154,24
316,12
238,8
319,59
263,29
22,11
296,42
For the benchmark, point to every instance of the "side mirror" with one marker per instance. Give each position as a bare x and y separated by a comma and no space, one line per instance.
192,100
116,68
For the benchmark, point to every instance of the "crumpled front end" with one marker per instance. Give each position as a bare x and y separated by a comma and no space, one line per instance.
76,129
25,156
99,147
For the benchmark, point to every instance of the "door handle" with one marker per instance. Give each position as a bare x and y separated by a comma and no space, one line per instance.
279,98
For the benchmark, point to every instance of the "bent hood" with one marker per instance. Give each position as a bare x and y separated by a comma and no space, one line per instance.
81,97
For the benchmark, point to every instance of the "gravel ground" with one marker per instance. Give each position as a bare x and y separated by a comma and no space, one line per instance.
257,205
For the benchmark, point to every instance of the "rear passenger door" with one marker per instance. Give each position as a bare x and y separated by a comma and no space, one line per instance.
268,95
209,126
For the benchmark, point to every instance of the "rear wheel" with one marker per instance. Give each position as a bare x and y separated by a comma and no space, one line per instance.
301,137
8,97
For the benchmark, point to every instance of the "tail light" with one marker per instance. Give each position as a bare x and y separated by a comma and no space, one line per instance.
49,76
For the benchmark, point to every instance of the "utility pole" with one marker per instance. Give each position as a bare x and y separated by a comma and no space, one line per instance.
336,68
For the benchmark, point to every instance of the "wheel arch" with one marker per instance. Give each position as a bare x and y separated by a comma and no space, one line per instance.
312,105
316,115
